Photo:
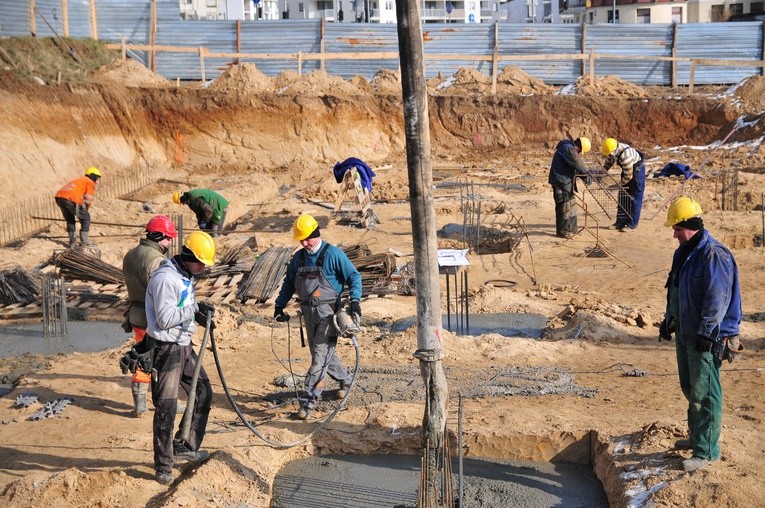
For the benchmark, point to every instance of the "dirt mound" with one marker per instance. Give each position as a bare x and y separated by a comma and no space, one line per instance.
607,86
243,79
513,79
318,83
751,93
285,79
387,82
465,81
361,83
129,73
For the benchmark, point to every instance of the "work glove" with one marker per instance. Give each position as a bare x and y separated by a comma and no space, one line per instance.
703,344
280,315
356,308
665,331
202,225
588,180
204,307
200,316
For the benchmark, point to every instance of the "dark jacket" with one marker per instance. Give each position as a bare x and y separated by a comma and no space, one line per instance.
137,266
208,206
565,166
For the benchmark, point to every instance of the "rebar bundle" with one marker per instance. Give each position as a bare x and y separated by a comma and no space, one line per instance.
77,265
266,275
18,286
238,260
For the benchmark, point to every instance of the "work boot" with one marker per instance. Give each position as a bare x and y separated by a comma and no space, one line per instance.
303,413
164,478
84,240
683,444
181,451
695,463
72,239
139,398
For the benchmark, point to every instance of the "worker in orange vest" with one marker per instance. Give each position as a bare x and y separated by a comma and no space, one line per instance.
74,200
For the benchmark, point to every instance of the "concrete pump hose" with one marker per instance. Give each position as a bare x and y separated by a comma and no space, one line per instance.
186,424
276,444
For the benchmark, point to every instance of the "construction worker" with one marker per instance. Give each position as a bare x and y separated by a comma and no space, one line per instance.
137,266
631,182
74,200
317,273
704,312
171,314
565,167
209,207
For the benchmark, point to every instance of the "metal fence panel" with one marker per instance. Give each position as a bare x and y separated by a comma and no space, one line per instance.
719,41
286,36
457,39
638,40
360,38
542,39
14,19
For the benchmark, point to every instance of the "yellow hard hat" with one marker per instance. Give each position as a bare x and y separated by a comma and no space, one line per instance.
681,209
303,227
586,145
93,171
608,146
177,197
202,246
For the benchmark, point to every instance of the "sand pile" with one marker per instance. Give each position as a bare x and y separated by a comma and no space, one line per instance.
320,83
285,79
465,81
387,82
129,73
513,79
751,93
243,79
607,86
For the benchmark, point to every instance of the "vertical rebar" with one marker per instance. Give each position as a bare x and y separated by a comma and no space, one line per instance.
478,230
62,309
461,453
762,210
735,190
46,306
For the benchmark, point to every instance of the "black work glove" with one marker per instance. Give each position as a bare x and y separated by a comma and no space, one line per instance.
703,344
665,331
204,307
356,307
280,315
201,320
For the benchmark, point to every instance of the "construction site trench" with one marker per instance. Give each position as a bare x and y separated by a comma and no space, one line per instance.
560,363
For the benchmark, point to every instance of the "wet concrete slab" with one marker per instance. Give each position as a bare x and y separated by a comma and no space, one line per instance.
507,324
391,481
83,336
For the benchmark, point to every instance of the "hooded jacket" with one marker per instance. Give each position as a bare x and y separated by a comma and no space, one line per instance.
171,303
566,164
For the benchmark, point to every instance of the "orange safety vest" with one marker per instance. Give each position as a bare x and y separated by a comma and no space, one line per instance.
79,191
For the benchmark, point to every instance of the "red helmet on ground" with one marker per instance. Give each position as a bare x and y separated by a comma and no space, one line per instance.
162,224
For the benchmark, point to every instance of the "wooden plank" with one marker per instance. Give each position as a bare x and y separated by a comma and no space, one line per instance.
221,281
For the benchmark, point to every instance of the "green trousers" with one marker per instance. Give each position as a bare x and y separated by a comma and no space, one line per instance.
700,382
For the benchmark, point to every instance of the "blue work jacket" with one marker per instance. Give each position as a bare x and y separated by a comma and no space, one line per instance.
709,297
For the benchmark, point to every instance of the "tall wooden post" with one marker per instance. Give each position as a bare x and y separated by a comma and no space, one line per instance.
429,347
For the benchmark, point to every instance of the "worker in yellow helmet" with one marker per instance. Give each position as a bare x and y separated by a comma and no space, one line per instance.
631,182
172,314
566,166
74,200
317,273
704,312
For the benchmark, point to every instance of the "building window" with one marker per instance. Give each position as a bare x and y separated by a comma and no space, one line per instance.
716,13
324,6
677,15
643,16
736,9
592,17
756,7
300,7
611,16
388,6
212,3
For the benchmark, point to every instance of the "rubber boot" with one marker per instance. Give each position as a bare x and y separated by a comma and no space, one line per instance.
72,239
139,398
84,240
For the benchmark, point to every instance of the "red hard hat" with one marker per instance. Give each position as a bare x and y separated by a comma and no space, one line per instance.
162,224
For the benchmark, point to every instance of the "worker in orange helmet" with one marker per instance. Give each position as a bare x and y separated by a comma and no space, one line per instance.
137,266
74,200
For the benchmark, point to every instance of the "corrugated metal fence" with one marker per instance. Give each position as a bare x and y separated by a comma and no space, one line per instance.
557,54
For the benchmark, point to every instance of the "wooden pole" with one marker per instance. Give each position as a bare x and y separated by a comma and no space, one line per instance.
417,131
300,63
93,21
693,76
762,50
583,48
674,54
153,35
124,48
238,39
592,66
32,18
321,45
65,17
202,62
494,60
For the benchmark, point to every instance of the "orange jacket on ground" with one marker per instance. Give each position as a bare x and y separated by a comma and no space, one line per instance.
79,191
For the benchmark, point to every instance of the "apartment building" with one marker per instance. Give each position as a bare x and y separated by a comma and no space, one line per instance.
657,11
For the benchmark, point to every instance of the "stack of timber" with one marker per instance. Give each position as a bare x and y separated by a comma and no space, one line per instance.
266,275
375,269
18,286
77,265
238,260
